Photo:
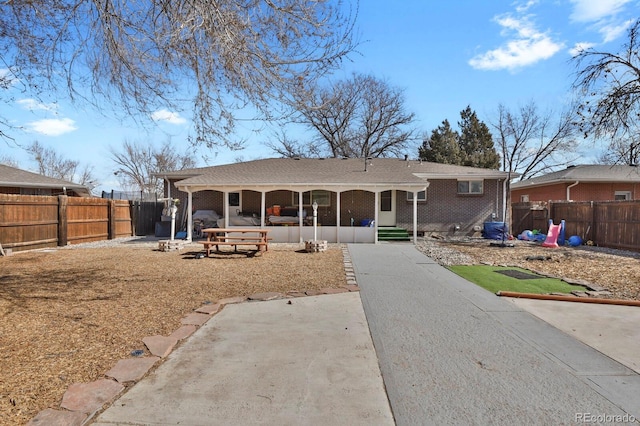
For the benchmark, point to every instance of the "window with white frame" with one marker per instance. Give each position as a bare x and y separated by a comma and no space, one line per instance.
470,187
622,195
524,198
320,196
422,196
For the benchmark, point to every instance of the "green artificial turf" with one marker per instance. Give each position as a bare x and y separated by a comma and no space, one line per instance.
487,278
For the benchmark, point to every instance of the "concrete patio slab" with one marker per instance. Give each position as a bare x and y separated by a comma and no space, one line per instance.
306,360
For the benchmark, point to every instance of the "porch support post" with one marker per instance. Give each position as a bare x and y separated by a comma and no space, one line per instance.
338,194
263,206
300,218
415,217
225,200
189,215
375,217
300,237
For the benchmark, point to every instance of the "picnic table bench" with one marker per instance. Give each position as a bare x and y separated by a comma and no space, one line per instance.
217,237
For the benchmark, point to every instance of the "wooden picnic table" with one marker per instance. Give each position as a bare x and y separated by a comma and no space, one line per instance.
235,237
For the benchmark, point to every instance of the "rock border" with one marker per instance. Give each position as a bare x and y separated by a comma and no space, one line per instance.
83,401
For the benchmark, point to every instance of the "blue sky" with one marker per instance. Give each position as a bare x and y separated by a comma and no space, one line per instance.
444,54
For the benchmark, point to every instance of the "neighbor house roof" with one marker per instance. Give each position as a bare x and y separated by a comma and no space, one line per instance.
329,172
14,177
584,173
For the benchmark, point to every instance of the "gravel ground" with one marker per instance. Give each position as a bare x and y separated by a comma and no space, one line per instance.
617,271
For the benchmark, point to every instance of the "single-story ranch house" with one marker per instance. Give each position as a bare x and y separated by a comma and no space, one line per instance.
22,182
589,182
355,197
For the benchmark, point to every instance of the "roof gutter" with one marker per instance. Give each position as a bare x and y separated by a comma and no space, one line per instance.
569,189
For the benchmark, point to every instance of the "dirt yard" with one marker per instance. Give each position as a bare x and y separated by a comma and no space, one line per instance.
69,315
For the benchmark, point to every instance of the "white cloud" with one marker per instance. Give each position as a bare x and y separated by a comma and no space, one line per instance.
612,31
32,105
526,6
579,47
595,10
52,126
528,46
168,116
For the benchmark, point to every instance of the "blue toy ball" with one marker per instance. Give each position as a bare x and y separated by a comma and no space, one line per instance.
575,241
526,235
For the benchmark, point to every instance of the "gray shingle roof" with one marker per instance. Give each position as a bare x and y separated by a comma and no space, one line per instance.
330,171
584,173
14,177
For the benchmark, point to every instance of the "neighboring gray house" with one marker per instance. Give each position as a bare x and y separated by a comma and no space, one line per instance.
22,182
418,196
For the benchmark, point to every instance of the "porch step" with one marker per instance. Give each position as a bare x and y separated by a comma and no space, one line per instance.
392,234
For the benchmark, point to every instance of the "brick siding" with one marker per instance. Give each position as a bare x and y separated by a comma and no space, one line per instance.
443,210
587,191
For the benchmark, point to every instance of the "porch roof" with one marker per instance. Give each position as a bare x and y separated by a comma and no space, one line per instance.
329,173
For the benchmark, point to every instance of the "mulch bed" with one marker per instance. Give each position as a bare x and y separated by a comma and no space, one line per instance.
69,315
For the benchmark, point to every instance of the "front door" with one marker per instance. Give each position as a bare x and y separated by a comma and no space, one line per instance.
387,208
235,203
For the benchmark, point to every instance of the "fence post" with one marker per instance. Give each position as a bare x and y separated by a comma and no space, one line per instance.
112,219
134,215
62,220
594,223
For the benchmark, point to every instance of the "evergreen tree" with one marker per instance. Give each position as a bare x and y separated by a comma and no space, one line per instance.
476,142
442,146
471,146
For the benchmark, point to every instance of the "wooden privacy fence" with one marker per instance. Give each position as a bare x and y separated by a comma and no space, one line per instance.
31,221
614,224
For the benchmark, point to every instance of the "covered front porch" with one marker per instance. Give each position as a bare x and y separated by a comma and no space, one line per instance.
344,214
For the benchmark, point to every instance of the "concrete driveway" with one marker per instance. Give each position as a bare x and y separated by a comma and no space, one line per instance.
613,330
451,352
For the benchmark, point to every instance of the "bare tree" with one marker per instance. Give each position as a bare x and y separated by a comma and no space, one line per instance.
286,147
138,163
609,84
532,143
9,161
357,117
621,151
213,56
52,164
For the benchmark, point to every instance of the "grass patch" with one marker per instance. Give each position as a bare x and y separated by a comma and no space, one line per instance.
490,279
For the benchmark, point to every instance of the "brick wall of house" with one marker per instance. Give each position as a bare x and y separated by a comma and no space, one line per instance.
34,191
587,191
445,208
10,190
358,205
542,193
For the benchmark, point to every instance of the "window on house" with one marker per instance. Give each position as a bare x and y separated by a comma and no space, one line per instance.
422,196
622,195
320,196
470,187
524,198
385,201
234,199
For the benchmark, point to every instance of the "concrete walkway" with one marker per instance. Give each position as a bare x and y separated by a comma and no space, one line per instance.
453,353
307,360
